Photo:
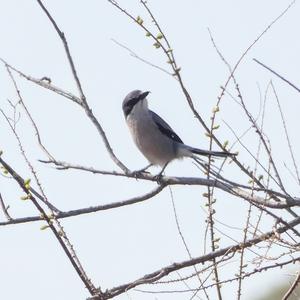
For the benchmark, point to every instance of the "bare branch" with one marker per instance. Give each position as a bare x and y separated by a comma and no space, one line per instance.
281,77
45,84
223,184
67,50
81,211
58,234
245,275
165,181
156,275
83,101
231,76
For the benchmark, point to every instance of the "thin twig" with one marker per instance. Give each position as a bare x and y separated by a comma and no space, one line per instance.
292,287
156,275
281,77
184,241
231,76
67,50
133,54
57,234
45,84
68,247
263,140
245,275
37,133
286,132
43,197
5,209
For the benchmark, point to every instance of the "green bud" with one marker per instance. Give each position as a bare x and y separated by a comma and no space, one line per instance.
159,36
225,144
27,197
44,227
156,45
27,181
139,20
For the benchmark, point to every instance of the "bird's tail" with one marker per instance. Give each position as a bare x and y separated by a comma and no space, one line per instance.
212,153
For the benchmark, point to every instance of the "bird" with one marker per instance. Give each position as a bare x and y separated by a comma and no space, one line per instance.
154,137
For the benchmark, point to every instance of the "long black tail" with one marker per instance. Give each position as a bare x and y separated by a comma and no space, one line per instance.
213,153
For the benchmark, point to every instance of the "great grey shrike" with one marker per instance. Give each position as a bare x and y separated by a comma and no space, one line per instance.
153,136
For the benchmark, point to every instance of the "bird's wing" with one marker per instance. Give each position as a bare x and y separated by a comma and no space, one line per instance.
164,128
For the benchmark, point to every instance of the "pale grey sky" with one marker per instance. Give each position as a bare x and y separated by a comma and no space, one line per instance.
121,245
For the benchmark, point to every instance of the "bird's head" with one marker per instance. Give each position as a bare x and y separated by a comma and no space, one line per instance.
134,98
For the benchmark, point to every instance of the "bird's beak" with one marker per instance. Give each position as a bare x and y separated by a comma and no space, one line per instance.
144,95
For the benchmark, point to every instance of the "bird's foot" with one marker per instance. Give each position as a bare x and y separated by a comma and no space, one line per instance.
158,178
138,173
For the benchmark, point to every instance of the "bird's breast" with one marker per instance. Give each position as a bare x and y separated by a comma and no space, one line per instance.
157,148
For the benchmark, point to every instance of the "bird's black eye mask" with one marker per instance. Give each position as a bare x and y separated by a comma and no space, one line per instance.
127,108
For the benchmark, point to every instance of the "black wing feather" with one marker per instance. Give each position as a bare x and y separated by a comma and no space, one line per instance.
164,128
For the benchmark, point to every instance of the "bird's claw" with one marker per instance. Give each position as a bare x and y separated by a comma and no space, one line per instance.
138,173
158,178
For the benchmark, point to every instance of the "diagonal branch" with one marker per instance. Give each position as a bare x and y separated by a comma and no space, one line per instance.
67,50
158,274
43,83
91,209
278,75
292,287
83,102
59,235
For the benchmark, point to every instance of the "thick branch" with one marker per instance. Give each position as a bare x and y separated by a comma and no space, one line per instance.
228,186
